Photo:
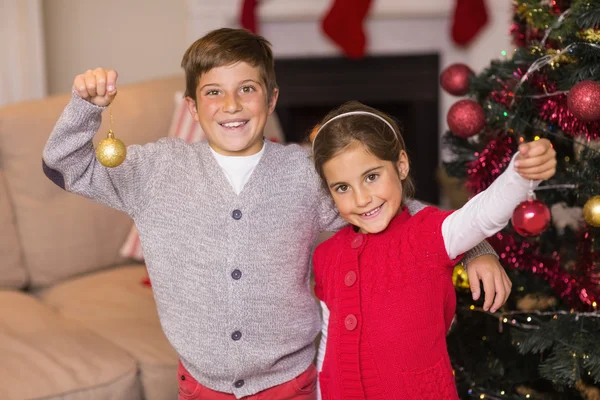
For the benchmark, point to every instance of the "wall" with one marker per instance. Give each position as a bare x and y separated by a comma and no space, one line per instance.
146,39
22,65
494,38
141,39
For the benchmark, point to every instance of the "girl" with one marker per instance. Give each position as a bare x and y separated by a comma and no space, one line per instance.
386,278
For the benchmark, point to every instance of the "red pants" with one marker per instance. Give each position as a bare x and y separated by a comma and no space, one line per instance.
302,387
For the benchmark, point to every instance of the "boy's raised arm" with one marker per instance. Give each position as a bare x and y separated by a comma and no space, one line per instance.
69,158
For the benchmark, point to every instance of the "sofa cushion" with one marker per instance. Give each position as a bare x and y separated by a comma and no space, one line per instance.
43,355
12,271
120,308
63,235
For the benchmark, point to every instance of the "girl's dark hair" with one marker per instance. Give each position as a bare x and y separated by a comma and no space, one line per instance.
374,134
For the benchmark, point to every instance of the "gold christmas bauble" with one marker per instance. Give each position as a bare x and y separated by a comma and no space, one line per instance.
590,35
591,211
460,278
111,152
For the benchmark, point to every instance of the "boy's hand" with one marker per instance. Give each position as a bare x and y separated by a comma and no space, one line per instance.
496,284
536,160
99,86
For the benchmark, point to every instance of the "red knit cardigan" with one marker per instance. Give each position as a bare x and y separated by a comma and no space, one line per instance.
391,300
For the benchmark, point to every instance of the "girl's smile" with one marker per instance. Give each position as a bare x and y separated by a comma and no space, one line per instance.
367,190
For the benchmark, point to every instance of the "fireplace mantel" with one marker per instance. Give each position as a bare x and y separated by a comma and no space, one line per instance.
271,10
206,15
393,27
294,10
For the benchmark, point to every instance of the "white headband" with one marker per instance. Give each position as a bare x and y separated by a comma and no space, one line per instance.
351,113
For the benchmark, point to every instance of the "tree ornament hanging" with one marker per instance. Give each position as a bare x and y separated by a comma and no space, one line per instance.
591,211
584,101
531,217
455,79
465,118
460,278
111,152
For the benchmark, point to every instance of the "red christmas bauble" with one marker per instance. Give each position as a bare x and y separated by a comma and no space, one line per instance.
584,101
455,79
465,118
531,217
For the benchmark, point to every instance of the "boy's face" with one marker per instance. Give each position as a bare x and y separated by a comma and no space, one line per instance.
232,108
367,190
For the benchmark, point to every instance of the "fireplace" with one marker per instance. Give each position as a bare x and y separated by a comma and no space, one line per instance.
406,87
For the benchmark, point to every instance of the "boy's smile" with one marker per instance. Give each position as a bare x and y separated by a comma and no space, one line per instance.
232,107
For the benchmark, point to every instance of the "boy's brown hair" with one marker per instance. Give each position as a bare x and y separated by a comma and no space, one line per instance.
228,46
366,130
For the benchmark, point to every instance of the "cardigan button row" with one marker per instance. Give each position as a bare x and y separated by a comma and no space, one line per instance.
237,274
350,322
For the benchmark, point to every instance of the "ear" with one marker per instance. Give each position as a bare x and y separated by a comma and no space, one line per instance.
191,105
403,165
273,100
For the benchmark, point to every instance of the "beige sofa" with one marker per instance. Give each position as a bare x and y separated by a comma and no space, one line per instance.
76,322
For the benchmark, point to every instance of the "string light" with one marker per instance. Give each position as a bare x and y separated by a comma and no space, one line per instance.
546,60
480,392
503,317
560,186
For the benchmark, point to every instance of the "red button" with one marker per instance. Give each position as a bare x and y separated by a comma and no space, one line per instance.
350,322
356,242
350,278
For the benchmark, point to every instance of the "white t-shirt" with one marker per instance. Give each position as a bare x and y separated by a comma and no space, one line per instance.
238,169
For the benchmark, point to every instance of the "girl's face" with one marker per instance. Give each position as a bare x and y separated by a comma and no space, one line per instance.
367,190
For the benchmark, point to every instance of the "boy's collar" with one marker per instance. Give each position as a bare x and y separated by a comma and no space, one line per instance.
266,143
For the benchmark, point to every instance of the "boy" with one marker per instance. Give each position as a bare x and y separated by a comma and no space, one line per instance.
227,225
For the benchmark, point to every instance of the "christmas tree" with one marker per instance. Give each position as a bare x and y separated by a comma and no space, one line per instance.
545,342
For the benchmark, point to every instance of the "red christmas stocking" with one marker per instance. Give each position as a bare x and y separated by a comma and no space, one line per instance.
344,25
248,15
469,17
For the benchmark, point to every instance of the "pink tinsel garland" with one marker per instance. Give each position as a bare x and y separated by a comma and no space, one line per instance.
576,284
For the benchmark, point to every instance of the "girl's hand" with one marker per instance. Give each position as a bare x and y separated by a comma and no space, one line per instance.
536,160
496,284
97,86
